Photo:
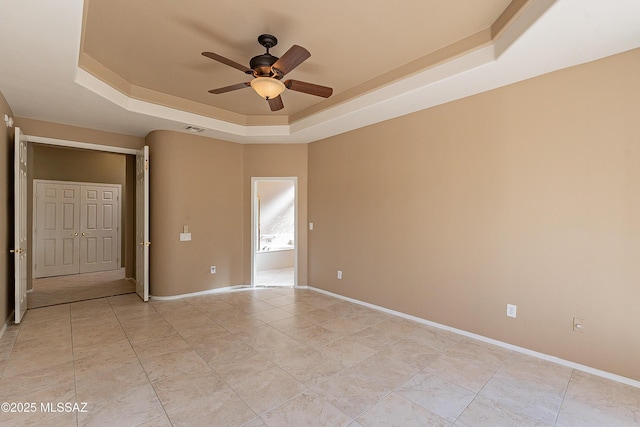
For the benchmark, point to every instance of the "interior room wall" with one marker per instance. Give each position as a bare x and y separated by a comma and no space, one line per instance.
6,215
527,195
197,182
78,134
275,160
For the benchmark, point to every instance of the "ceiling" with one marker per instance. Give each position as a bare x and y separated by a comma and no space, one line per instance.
157,44
136,66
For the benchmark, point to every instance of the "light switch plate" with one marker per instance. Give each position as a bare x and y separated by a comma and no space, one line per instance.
185,237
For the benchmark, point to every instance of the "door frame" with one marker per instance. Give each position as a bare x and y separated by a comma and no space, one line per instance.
34,220
77,144
254,223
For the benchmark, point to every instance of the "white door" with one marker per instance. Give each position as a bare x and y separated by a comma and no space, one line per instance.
76,228
57,227
99,228
142,223
20,224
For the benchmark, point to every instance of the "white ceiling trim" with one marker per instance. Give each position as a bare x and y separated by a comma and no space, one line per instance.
78,144
390,101
134,105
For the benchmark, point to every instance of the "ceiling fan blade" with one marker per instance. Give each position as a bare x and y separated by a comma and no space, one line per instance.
276,103
310,88
228,62
230,88
295,56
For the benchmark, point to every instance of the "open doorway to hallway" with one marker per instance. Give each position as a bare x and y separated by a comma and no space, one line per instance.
274,239
81,224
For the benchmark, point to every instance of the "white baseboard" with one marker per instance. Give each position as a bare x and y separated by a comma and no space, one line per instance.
7,323
554,359
235,288
226,289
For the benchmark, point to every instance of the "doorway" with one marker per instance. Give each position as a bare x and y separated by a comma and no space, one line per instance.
100,183
274,244
76,242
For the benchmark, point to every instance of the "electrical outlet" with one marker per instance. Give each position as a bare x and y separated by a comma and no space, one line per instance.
339,274
511,310
213,269
578,324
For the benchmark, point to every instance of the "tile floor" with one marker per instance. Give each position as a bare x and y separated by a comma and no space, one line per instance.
279,277
78,287
281,357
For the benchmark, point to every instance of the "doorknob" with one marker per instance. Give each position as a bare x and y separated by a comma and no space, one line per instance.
17,251
85,234
74,234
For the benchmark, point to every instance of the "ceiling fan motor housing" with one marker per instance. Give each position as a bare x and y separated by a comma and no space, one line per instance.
261,65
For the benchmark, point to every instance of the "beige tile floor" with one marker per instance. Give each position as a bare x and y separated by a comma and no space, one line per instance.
282,357
279,277
78,287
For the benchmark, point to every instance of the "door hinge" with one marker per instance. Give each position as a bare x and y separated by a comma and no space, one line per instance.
146,165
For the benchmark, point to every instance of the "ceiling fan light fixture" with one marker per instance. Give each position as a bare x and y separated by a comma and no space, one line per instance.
267,87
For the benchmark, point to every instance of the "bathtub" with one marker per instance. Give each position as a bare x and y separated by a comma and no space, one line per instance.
275,258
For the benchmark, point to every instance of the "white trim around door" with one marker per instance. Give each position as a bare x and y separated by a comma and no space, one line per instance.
255,231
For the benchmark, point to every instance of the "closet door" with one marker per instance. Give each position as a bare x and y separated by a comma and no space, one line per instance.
99,228
57,229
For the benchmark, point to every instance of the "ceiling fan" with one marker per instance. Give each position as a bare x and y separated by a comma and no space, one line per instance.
268,70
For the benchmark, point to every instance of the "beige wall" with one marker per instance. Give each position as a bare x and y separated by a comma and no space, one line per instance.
194,181
206,184
78,134
6,215
528,194
276,160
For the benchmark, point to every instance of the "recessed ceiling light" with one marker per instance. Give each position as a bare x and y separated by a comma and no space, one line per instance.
193,129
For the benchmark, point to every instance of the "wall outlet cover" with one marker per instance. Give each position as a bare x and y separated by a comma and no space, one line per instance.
511,310
578,324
